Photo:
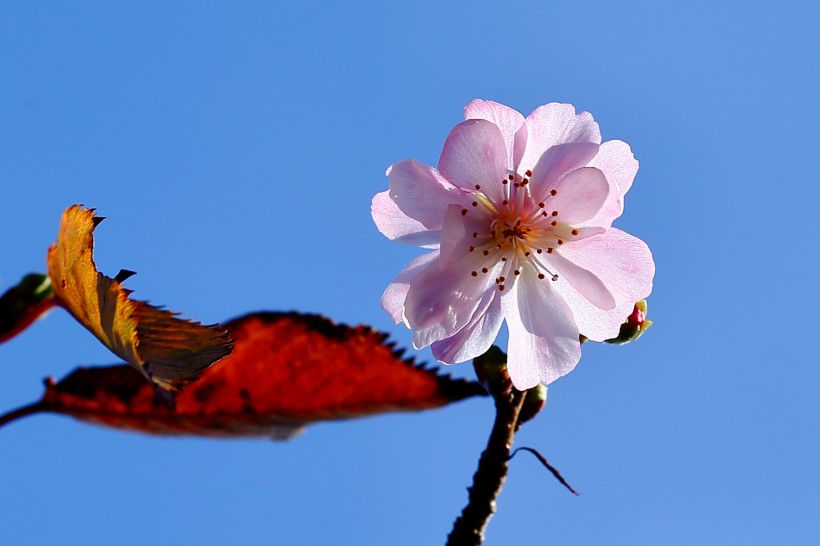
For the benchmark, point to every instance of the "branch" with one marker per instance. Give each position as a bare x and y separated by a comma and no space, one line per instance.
468,529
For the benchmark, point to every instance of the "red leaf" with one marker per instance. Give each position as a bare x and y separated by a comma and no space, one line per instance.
287,370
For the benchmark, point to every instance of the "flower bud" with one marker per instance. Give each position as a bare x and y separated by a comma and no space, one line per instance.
491,370
534,401
634,326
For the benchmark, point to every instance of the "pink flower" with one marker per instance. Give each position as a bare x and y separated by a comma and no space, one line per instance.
519,217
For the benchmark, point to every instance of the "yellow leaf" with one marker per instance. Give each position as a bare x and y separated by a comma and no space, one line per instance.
169,351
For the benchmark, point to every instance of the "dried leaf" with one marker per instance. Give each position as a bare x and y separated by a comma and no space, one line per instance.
287,370
169,351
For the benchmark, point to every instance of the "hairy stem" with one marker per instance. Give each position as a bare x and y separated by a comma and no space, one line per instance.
468,529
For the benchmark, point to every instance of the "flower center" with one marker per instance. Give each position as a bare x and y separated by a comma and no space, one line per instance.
520,232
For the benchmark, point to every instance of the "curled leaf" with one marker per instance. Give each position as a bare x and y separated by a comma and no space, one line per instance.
287,370
169,351
23,304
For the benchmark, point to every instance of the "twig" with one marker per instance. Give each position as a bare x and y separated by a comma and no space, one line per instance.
468,529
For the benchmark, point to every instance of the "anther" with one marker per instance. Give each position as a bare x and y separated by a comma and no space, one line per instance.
553,192
502,279
475,235
511,177
527,253
541,276
464,212
484,270
539,251
560,241
501,287
555,213
575,232
528,172
555,277
541,205
478,186
503,259
472,248
486,252
553,223
474,273
505,202
549,250
475,203
517,272
525,182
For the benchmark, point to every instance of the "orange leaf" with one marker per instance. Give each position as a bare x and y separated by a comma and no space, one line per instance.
287,370
169,351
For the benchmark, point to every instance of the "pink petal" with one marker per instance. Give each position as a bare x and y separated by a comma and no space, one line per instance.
593,322
616,159
396,292
583,280
422,193
440,302
397,226
581,194
510,122
622,262
475,338
474,154
544,342
457,236
556,163
554,124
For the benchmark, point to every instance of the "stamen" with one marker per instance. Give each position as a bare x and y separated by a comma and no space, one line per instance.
560,241
474,273
475,203
528,172
574,232
478,186
553,192
484,270
555,213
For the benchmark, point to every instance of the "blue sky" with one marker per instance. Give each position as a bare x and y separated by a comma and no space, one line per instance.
235,147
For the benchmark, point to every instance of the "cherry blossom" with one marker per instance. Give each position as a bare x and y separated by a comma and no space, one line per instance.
518,219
